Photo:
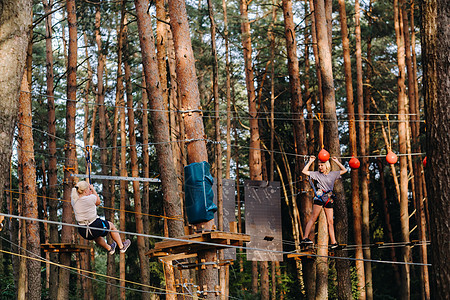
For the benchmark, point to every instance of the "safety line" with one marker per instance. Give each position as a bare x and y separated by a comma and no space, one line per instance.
236,146
82,102
104,207
42,260
205,243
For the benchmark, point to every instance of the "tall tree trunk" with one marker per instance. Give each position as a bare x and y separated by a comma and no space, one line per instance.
15,21
70,153
218,157
30,205
387,220
297,110
159,120
331,131
189,93
316,55
172,205
255,152
100,100
52,167
321,261
308,94
417,164
356,202
15,26
401,104
364,160
120,102
271,34
143,260
309,266
227,89
435,45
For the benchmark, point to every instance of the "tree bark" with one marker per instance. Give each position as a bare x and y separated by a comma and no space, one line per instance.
172,205
435,45
30,205
15,26
415,130
70,153
297,115
331,131
401,104
255,163
52,167
227,89
364,160
387,220
143,260
356,202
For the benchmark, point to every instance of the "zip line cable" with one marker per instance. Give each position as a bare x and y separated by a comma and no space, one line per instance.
104,207
78,270
223,143
207,243
82,102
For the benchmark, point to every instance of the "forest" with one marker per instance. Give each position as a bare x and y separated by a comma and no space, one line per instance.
137,98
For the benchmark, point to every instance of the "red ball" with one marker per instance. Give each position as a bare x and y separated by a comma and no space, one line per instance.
354,163
391,157
324,155
425,161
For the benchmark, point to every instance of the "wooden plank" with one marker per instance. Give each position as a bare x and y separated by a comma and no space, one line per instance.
178,256
64,247
188,244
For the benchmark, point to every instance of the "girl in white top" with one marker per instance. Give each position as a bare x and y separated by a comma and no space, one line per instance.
325,182
84,202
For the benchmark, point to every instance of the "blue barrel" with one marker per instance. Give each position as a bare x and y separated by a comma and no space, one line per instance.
198,192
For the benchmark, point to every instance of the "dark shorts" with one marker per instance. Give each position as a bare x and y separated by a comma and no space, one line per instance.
94,233
321,203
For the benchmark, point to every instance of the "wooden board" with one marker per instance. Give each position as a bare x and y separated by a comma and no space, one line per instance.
61,247
307,253
187,244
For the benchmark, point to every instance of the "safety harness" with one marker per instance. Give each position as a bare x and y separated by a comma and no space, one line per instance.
321,195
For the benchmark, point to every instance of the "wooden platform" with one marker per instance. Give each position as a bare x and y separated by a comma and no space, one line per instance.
305,254
61,247
171,249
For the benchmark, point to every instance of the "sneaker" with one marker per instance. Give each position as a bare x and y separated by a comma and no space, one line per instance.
334,246
126,244
113,248
306,241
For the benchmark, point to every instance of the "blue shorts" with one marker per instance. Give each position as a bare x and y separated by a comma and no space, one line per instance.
90,233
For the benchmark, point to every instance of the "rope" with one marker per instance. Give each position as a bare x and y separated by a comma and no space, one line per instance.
220,111
177,218
43,260
209,243
88,162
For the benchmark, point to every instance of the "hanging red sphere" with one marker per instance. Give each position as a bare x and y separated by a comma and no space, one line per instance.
424,162
391,157
324,155
354,163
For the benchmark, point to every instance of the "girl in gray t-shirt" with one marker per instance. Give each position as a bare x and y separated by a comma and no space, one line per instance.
325,179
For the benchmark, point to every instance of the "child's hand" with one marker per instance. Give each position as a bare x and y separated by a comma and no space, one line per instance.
334,158
312,158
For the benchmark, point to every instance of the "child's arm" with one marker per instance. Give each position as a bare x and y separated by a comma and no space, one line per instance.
343,170
305,170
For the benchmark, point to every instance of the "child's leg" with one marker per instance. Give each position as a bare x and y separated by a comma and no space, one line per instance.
102,242
115,235
330,222
315,213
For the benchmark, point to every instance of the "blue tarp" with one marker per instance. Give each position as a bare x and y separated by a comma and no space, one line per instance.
199,194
